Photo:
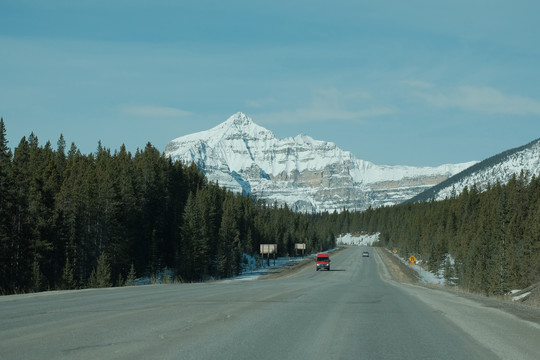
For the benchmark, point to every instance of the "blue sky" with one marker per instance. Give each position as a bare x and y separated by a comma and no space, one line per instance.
395,82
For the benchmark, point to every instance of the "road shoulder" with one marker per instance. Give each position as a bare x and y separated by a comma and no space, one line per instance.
401,273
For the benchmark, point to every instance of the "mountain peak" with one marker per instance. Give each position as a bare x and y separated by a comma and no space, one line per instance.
307,174
239,119
240,124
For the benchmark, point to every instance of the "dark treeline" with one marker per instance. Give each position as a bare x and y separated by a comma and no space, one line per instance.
492,236
69,220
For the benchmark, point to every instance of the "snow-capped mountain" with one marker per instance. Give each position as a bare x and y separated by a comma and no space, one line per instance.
308,175
499,168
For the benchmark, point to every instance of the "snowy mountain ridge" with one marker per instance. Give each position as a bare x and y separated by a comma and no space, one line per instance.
307,174
499,168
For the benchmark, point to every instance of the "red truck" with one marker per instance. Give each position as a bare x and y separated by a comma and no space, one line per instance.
323,262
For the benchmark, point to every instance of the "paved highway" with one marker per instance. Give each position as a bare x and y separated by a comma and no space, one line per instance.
351,312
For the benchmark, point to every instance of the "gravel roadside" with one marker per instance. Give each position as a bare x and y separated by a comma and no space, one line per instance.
510,330
405,274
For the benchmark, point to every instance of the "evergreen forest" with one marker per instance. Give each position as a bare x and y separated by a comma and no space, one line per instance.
485,242
70,221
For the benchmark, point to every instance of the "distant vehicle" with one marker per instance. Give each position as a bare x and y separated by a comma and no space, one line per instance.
323,262
365,254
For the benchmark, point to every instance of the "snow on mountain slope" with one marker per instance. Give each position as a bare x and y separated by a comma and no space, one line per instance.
499,168
307,174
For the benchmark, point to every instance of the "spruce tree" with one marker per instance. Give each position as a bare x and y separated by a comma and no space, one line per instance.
229,237
6,212
130,280
189,235
37,277
22,256
127,211
101,275
68,281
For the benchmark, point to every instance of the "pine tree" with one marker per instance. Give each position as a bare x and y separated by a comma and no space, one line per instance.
448,272
37,277
130,281
68,281
152,235
22,257
101,275
190,233
7,189
70,213
229,235
127,213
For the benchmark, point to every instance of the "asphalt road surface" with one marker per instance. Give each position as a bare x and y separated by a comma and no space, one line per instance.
351,312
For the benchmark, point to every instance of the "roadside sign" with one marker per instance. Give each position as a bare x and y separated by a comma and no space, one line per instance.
394,251
268,248
300,246
412,259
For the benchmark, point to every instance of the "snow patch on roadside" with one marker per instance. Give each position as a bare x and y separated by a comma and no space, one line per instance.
256,267
358,240
519,297
425,276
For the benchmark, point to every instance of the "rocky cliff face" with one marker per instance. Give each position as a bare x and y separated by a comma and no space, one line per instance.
308,175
